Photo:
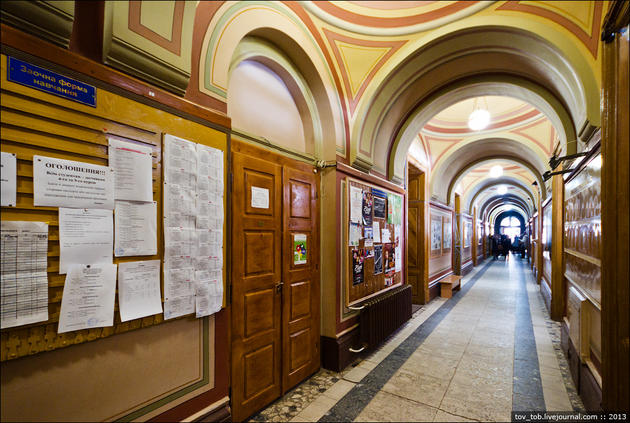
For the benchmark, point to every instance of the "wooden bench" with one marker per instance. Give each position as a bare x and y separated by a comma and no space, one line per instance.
449,284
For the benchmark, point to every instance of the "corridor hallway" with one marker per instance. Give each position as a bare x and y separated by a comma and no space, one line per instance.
487,351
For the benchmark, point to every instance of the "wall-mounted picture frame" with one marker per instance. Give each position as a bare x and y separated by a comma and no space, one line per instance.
436,234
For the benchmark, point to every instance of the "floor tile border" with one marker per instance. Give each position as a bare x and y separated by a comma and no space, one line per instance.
351,405
527,389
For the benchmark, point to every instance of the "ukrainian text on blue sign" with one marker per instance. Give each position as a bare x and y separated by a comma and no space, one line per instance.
44,80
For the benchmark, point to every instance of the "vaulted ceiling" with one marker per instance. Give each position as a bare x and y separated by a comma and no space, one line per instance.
379,79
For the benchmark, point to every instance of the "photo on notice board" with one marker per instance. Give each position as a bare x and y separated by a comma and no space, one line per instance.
380,204
367,208
448,233
378,259
389,258
357,266
436,233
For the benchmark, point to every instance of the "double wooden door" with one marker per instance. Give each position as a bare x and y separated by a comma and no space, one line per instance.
416,235
275,277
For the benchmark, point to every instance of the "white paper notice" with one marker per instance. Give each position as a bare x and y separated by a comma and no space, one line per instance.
8,180
354,235
208,293
356,204
66,183
260,198
133,165
139,289
397,248
385,236
179,306
24,281
376,231
86,236
88,297
136,229
178,282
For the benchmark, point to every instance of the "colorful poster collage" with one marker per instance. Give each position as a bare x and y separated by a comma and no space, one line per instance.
371,235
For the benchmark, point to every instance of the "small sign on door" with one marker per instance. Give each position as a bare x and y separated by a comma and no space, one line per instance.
260,198
299,248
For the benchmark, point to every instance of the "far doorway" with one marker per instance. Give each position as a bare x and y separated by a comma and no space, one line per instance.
416,234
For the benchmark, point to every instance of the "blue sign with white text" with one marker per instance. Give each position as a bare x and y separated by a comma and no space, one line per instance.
44,80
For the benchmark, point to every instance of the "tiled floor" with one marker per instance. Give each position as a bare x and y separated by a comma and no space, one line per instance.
487,351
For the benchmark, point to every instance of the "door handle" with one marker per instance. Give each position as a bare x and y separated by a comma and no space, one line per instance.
279,286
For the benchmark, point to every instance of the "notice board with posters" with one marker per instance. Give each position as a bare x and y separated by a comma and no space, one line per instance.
373,240
40,125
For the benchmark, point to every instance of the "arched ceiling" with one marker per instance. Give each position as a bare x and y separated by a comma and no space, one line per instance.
381,80
461,158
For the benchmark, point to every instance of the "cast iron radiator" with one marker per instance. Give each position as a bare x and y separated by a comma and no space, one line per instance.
382,315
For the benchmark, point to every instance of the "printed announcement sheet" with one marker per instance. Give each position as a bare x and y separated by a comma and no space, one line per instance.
139,289
133,165
86,236
88,297
8,179
66,183
24,281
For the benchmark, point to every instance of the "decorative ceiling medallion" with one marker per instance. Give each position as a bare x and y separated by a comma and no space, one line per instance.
358,61
396,19
567,21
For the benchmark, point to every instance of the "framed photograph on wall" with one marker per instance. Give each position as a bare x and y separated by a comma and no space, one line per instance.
467,234
436,234
448,233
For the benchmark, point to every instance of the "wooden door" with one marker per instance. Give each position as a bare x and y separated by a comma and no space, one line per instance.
256,284
300,311
415,234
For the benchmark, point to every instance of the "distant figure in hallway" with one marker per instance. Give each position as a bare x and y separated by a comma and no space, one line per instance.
525,245
495,245
516,245
505,246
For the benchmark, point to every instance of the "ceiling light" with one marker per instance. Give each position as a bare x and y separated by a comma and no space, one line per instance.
502,189
496,171
596,163
479,118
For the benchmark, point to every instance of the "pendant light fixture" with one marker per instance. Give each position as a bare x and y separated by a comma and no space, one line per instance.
480,116
496,171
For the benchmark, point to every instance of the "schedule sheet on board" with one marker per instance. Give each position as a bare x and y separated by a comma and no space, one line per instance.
193,230
24,280
135,229
139,289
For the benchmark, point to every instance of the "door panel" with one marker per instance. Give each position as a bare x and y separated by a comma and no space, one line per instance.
256,271
415,234
300,321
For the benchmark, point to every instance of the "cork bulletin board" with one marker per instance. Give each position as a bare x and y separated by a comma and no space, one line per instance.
375,278
38,123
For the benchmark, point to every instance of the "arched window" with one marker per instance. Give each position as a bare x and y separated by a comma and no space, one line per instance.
511,227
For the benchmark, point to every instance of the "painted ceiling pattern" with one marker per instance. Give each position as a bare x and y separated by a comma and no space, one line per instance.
354,47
